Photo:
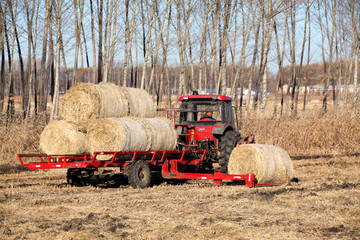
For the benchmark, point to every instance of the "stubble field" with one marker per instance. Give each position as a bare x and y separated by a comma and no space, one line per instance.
323,204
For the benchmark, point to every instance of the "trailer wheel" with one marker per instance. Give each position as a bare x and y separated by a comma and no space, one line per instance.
227,144
79,177
139,175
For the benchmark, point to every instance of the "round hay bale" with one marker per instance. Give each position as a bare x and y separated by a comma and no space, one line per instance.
117,134
140,103
269,163
162,135
85,102
60,137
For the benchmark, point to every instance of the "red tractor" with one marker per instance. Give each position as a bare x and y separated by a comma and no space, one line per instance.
207,122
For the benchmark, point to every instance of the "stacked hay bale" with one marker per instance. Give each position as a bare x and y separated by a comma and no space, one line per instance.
139,102
61,137
86,102
106,117
269,163
131,134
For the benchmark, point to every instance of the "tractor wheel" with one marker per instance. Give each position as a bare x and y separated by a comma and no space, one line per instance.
227,144
79,177
139,175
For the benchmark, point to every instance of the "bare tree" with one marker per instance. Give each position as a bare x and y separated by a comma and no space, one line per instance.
55,103
30,65
100,56
215,18
280,58
208,6
246,33
43,79
77,39
113,41
111,13
158,39
25,92
2,52
252,67
267,40
228,14
10,110
93,41
182,41
299,73
127,38
151,21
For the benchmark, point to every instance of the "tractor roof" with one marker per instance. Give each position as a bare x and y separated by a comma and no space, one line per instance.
204,97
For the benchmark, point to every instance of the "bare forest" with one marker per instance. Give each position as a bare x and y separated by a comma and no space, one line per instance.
176,46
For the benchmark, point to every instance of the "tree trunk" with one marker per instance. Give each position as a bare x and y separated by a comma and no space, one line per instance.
10,105
263,71
109,17
100,60
55,103
246,33
182,46
215,16
93,41
77,42
202,46
252,67
24,84
147,47
2,52
43,80
127,38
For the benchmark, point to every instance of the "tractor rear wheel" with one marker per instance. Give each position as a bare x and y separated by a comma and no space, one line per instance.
139,175
227,144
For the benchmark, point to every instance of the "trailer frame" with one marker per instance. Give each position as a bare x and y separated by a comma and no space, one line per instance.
174,164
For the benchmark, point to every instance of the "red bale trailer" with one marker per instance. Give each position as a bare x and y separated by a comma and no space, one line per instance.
137,166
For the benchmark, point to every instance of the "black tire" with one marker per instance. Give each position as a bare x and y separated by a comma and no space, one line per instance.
227,143
79,177
139,175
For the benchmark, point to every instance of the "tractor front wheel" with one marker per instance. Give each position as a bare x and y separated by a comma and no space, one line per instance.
139,175
227,143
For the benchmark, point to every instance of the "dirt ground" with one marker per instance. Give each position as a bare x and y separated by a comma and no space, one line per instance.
323,204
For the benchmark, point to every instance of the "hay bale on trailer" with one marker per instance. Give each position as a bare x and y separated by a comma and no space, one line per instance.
61,137
161,132
140,103
131,134
85,102
117,134
268,163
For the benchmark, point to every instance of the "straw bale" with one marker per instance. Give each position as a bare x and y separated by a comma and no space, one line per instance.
117,134
60,137
131,134
85,102
268,163
140,103
162,135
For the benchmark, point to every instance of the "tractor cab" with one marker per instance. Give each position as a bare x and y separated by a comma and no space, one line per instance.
198,132
195,121
194,106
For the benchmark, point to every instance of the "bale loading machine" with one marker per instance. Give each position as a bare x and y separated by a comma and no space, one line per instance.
204,147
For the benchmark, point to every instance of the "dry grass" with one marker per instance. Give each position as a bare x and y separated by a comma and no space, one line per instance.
324,204
19,136
312,133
